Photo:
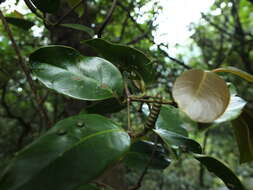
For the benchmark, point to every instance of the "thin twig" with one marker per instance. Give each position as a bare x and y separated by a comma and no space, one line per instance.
33,9
24,68
224,31
107,19
128,107
151,101
138,184
67,13
25,126
138,38
125,22
172,58
202,169
151,40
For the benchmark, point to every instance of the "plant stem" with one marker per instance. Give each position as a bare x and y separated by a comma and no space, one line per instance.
107,19
70,11
24,68
33,9
151,101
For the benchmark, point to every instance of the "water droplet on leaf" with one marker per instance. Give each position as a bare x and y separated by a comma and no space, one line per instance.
80,124
61,132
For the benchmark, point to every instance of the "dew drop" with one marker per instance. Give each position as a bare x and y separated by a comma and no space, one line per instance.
61,132
80,124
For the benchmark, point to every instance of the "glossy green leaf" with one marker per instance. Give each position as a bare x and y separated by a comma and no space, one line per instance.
19,22
68,72
72,153
237,72
79,27
233,110
47,6
140,153
170,119
244,135
126,58
220,170
175,140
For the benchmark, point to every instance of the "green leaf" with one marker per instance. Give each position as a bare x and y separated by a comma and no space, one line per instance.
47,6
72,153
244,135
111,105
79,10
19,22
3,78
175,140
65,70
220,170
126,58
140,153
233,110
88,187
237,72
202,95
79,27
93,187
170,119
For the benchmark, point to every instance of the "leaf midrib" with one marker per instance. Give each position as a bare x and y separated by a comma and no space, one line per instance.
199,86
81,75
74,145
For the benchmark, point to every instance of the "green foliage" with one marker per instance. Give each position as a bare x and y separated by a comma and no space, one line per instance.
47,6
80,27
139,155
21,23
126,58
71,141
244,135
75,75
220,170
170,119
174,140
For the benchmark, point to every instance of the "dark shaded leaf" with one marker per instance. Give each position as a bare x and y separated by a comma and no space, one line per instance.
73,152
65,70
126,58
92,187
175,140
47,6
19,22
171,120
79,27
244,135
140,153
3,78
105,106
220,170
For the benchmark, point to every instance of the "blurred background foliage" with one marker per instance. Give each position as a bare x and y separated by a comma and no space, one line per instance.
222,37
